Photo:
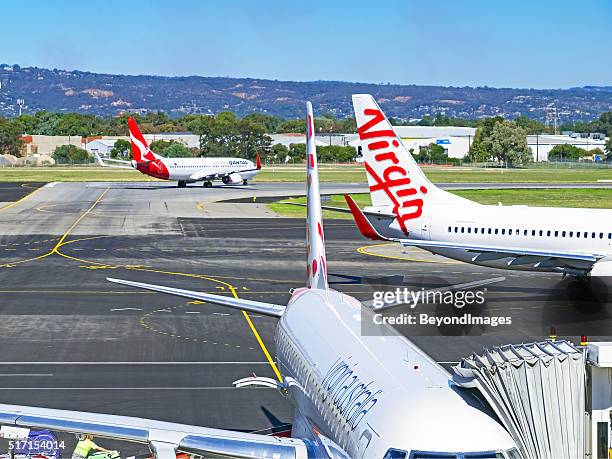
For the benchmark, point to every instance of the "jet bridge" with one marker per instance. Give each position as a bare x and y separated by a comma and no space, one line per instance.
538,392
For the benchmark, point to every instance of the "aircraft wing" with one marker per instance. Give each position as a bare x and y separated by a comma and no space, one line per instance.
204,174
118,163
269,309
515,256
163,438
543,259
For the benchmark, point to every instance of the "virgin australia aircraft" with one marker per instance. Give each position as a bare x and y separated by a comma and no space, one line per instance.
230,171
408,208
355,396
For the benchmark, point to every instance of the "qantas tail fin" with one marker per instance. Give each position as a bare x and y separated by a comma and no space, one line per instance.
394,177
140,148
315,240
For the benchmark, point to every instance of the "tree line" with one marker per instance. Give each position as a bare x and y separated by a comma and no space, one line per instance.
225,134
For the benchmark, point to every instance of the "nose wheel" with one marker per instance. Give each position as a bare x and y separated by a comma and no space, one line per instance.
182,184
245,182
207,184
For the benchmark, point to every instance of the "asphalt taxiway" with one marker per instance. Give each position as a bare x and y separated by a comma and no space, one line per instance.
69,339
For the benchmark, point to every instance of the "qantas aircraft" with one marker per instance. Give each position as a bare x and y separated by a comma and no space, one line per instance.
355,396
408,208
230,171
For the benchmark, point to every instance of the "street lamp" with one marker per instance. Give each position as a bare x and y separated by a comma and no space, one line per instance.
20,104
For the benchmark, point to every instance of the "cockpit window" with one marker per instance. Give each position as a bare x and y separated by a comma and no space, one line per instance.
459,455
396,454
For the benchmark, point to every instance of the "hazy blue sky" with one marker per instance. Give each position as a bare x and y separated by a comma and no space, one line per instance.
541,44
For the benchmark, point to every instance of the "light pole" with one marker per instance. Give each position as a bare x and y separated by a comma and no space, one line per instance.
20,104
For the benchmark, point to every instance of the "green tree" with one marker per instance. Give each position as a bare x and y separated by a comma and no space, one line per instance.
509,144
480,149
121,149
177,150
530,126
297,152
292,126
432,154
336,154
10,137
566,152
609,149
278,153
71,154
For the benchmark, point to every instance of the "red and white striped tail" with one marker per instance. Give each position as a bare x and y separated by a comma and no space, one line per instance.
315,240
140,148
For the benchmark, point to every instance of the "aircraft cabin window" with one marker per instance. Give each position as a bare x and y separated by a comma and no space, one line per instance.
577,233
533,232
609,235
525,233
600,235
571,234
593,235
449,229
586,234
462,229
556,233
548,233
541,232
489,231
469,229
456,229
503,230
496,230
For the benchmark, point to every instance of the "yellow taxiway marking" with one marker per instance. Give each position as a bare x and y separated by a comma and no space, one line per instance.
8,206
61,240
200,205
364,250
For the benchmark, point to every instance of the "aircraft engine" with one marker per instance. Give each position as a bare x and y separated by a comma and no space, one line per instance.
232,179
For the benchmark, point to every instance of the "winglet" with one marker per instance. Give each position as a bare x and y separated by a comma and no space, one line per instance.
140,148
315,241
258,162
364,225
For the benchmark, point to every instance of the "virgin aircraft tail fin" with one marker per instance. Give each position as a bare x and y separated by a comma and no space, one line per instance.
315,240
394,177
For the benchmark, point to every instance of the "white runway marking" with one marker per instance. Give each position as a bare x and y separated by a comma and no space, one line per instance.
26,375
126,309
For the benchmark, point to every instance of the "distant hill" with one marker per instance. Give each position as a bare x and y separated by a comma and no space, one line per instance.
103,94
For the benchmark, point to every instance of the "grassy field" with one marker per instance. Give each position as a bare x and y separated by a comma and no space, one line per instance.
574,197
331,173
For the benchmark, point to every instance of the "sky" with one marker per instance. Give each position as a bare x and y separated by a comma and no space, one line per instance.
520,43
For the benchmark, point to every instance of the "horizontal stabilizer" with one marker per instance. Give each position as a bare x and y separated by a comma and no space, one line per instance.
364,225
268,309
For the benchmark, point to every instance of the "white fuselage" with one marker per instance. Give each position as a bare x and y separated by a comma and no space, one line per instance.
372,393
580,231
190,169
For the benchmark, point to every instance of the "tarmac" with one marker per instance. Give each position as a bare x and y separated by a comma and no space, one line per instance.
71,340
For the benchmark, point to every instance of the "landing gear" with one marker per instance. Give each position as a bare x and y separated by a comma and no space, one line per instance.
245,182
182,184
207,184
